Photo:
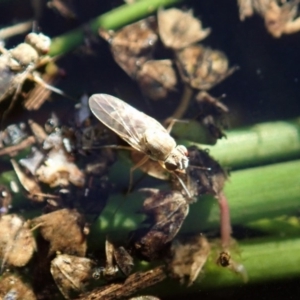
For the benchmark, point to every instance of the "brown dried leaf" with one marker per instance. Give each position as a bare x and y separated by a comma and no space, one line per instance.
71,273
17,244
132,45
157,78
12,287
64,229
201,67
179,29
188,257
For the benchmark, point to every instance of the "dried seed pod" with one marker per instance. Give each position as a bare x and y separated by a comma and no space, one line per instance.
38,132
166,212
17,244
64,229
201,67
12,287
188,257
5,200
212,113
29,184
71,273
132,45
157,78
179,29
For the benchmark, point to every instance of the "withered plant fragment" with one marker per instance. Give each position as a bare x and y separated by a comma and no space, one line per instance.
17,244
201,67
132,45
133,284
71,273
13,135
28,183
38,132
33,161
157,78
281,17
5,200
58,171
63,7
123,259
12,287
64,230
211,114
204,174
179,29
188,257
145,297
166,211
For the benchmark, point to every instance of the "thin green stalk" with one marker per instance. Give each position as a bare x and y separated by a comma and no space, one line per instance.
113,19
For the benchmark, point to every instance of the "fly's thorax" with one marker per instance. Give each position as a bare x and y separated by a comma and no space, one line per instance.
159,144
22,56
178,159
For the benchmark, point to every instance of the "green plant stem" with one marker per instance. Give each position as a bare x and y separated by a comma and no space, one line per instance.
113,19
259,144
253,194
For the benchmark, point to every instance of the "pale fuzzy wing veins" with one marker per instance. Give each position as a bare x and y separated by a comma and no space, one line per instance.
126,121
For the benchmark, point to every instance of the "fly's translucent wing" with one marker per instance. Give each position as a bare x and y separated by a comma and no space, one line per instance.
126,121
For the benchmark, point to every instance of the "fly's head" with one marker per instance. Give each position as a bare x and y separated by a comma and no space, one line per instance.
159,144
178,159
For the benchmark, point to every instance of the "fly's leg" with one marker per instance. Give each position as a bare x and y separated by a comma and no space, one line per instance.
136,166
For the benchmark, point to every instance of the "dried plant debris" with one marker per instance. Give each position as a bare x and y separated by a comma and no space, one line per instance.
38,132
188,257
17,244
204,175
5,200
179,29
281,17
166,211
132,45
64,229
12,287
33,160
72,274
157,78
19,63
201,67
225,260
145,297
212,114
63,7
133,284
28,183
13,134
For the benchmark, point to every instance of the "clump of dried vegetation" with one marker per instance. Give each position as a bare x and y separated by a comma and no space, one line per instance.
61,182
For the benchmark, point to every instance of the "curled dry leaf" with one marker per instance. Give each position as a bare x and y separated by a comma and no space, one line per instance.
179,29
17,244
33,160
12,287
188,257
166,211
64,230
157,78
71,273
5,200
132,45
28,183
201,67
